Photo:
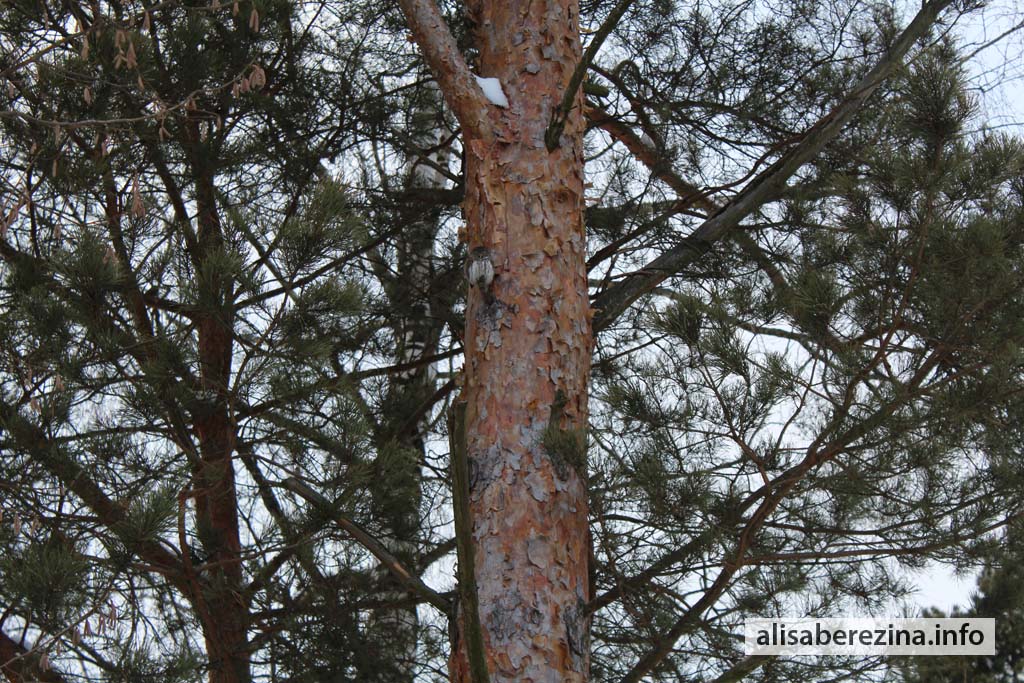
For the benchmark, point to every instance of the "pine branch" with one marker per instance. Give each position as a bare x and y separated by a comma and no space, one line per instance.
446,62
376,548
558,117
34,442
297,540
771,495
768,185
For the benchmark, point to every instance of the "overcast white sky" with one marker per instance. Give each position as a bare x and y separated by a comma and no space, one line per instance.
998,69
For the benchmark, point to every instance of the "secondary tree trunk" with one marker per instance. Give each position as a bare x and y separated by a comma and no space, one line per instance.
223,611
528,346
392,632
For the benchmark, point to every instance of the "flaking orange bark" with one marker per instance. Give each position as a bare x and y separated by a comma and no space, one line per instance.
524,345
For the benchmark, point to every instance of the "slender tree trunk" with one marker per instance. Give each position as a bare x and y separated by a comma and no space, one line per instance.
224,612
393,632
528,345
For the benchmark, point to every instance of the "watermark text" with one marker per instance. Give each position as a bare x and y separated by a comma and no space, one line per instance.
866,636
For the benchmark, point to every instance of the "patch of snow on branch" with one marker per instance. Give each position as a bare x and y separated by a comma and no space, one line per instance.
492,90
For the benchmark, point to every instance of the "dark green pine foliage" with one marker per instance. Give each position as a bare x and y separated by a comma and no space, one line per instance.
1000,596
166,165
825,398
862,354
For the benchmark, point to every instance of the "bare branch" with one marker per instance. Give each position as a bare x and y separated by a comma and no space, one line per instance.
410,580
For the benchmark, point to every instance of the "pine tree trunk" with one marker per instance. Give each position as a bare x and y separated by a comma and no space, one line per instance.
223,611
527,347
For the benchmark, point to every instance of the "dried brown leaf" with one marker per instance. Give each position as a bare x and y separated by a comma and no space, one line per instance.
138,210
258,77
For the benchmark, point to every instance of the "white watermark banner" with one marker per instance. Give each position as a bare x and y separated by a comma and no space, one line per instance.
866,636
